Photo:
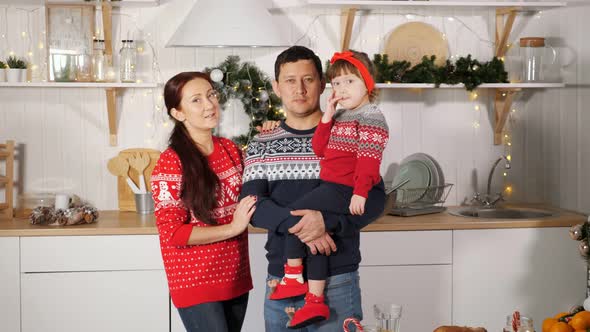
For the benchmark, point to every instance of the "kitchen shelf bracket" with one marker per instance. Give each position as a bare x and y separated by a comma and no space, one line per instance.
503,99
502,104
111,94
346,24
503,28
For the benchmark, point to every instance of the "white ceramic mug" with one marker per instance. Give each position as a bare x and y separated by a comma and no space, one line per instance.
62,201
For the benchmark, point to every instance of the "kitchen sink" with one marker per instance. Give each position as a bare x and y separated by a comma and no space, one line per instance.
501,213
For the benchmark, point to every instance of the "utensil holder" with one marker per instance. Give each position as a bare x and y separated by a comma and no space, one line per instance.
144,203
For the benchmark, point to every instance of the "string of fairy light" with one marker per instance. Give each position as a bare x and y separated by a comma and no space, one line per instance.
31,55
473,96
160,118
506,136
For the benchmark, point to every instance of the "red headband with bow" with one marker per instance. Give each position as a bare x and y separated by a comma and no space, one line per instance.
349,56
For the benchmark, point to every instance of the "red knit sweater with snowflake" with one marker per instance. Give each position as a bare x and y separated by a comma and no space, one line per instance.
352,146
201,273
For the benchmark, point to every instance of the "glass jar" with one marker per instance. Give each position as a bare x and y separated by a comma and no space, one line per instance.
84,68
388,316
534,53
99,62
128,61
526,325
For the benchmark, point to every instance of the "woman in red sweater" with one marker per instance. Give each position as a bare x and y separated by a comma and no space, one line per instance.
202,227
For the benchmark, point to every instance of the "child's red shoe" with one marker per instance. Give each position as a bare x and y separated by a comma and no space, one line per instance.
289,287
314,310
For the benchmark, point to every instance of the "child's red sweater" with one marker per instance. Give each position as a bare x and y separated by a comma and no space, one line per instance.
352,147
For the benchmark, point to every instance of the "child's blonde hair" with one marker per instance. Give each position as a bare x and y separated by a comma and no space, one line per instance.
342,67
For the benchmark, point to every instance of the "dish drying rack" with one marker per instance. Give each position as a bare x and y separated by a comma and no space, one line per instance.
417,201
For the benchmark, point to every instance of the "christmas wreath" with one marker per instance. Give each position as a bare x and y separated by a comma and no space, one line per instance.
244,84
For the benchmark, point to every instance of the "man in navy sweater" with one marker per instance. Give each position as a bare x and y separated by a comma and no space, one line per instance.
280,168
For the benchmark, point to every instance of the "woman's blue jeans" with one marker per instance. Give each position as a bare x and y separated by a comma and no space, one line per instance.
223,316
342,295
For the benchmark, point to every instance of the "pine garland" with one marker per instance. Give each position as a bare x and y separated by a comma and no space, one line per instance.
246,82
465,70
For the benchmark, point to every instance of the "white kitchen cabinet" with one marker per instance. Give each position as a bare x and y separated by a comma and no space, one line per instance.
254,321
9,284
424,291
175,321
537,271
93,283
90,253
412,269
95,301
258,266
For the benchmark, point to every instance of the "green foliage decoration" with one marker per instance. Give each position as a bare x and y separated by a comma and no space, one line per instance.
466,70
16,63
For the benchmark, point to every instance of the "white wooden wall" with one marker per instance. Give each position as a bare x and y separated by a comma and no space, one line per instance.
63,136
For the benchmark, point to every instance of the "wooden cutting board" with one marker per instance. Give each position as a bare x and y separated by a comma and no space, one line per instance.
413,40
126,196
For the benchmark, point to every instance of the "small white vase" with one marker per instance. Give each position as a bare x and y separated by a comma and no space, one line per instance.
14,75
2,75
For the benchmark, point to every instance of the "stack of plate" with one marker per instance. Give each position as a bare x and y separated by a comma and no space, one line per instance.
420,182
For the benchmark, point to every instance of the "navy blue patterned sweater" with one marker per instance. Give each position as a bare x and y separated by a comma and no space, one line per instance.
281,167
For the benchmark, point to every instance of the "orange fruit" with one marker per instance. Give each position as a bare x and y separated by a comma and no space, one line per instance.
561,327
580,321
548,323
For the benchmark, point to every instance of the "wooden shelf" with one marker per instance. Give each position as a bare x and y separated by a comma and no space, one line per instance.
503,97
383,4
500,86
124,3
78,85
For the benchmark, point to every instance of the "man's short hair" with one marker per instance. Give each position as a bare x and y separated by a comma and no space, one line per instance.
294,54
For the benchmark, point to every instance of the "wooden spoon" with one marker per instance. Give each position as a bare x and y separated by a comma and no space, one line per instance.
118,166
139,162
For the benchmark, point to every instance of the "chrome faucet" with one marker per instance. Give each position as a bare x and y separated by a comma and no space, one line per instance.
487,200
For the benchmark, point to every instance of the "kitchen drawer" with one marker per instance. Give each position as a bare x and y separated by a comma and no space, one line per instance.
90,253
406,248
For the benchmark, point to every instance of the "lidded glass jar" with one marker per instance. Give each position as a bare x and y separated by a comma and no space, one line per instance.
534,54
99,62
526,325
128,61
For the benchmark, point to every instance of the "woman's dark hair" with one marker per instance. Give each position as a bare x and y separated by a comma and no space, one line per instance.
294,54
199,182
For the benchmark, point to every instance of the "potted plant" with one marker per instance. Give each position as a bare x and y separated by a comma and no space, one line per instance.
17,69
2,72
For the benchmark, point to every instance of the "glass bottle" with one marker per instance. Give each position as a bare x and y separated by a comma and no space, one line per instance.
128,61
99,61
526,325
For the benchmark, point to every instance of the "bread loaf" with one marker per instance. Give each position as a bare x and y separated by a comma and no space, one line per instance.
459,329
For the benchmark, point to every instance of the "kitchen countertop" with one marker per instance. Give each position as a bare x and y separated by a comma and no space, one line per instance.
130,223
